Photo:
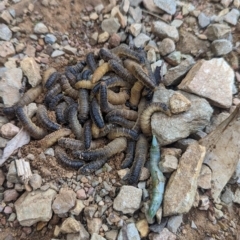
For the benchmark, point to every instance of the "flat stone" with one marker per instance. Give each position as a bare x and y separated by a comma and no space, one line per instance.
11,82
64,201
35,181
228,196
97,237
70,50
174,223
203,20
93,16
237,196
177,23
166,46
78,208
179,103
175,74
10,195
32,70
94,225
93,38
135,29
182,185
50,38
110,25
164,234
12,175
211,79
136,14
128,200
130,230
218,31
142,226
103,37
40,28
57,53
168,164
6,17
141,40
111,235
34,206
174,58
216,120
167,6
205,177
195,119
114,40
150,5
6,50
151,56
30,51
70,225
163,30
5,32
221,47
232,17
9,130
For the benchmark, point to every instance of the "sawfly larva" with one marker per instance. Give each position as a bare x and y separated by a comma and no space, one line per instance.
117,98
158,179
76,127
84,84
87,134
139,160
69,100
71,78
124,51
141,106
121,71
56,89
96,114
115,146
127,162
67,88
145,118
95,130
55,100
83,102
62,156
33,130
52,80
121,121
86,74
75,69
60,109
128,114
123,132
106,129
104,105
92,166
135,95
107,55
44,120
53,137
74,144
100,72
91,62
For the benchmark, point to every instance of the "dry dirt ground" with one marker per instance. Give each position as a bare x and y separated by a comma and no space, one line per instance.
61,19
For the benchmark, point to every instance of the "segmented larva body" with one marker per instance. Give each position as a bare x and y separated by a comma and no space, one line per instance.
86,74
139,160
127,162
100,72
104,105
73,121
87,134
106,129
123,132
75,69
34,131
84,84
128,114
95,130
56,89
71,78
91,62
107,55
44,120
145,118
54,102
92,166
62,156
67,88
84,105
121,121
60,109
96,114
135,95
121,71
53,137
74,144
52,80
117,98
115,146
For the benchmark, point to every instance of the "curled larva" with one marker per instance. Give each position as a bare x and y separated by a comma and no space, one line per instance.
87,134
67,88
128,114
139,160
135,95
141,106
34,131
106,129
71,78
56,89
127,162
117,98
62,156
121,121
75,69
83,102
96,114
55,100
91,62
60,109
84,84
100,72
44,120
121,71
86,74
123,132
123,50
9,111
73,121
115,146
92,166
51,81
95,130
53,137
69,100
107,55
104,105
74,144
139,73
145,118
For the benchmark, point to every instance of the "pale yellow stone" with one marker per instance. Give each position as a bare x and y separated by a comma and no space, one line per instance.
179,103
142,227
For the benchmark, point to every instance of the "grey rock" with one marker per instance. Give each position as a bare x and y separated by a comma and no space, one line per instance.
174,223
205,177
218,31
175,74
177,23
168,163
110,25
35,181
167,6
131,232
193,225
196,118
237,196
6,50
141,40
10,83
232,17
216,120
2,177
57,53
6,17
135,3
12,175
203,20
221,47
12,217
97,237
3,120
10,195
174,58
5,32
40,28
166,46
163,30
128,200
150,5
136,14
111,235
228,196
34,206
184,143
70,50
50,38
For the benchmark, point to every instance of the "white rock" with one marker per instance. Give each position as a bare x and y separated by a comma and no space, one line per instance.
40,28
135,29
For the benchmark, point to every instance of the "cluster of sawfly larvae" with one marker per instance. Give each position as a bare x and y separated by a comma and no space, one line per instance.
105,101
